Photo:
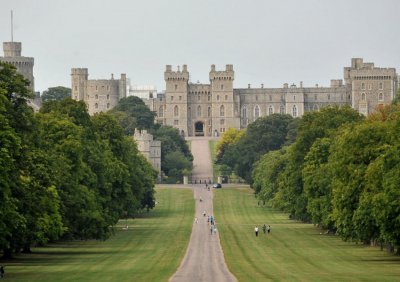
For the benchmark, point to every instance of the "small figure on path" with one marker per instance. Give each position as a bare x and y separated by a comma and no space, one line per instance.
201,199
2,271
195,219
204,213
269,228
264,228
256,230
215,228
211,229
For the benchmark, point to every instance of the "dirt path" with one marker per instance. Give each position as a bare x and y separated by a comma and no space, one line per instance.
204,259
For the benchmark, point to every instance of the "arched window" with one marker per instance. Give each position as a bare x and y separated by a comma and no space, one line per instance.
209,112
96,106
217,97
108,105
161,111
96,97
294,111
270,110
108,96
222,111
363,96
363,86
256,111
282,110
199,111
190,112
244,112
176,111
380,97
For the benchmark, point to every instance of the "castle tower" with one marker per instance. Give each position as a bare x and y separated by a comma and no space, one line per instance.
79,79
368,86
176,100
224,115
24,65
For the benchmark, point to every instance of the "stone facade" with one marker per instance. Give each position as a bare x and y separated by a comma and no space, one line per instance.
99,95
150,148
209,109
24,65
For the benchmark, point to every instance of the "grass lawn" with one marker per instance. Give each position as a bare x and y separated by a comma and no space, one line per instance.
293,251
150,250
212,144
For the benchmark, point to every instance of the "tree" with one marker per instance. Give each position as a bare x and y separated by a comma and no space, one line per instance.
56,93
134,107
264,135
228,138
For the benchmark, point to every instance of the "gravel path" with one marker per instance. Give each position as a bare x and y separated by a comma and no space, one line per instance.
204,259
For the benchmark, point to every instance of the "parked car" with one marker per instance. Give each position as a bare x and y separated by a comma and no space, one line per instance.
217,185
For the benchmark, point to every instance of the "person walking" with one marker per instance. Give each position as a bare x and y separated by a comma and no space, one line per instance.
269,229
2,271
264,228
256,231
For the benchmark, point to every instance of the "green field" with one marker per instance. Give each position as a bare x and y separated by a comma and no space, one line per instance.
151,249
293,251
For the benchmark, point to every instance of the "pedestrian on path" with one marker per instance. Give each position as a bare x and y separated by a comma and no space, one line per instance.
195,219
256,230
211,229
264,228
2,271
269,228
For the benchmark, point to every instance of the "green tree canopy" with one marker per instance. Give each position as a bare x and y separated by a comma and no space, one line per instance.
56,93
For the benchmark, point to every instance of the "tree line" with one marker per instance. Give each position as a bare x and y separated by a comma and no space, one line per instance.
334,168
64,174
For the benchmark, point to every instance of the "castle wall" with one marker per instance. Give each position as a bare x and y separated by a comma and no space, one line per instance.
99,95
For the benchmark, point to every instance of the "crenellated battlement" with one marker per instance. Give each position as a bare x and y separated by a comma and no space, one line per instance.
181,75
227,74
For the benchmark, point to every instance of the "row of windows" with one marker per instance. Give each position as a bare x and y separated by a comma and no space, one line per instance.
97,97
380,96
199,112
96,106
198,98
370,86
372,77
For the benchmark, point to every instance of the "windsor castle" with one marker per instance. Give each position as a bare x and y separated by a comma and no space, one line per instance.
210,109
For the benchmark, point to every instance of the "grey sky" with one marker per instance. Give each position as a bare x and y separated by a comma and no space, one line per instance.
270,42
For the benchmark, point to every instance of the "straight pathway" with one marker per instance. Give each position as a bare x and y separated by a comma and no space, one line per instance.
204,259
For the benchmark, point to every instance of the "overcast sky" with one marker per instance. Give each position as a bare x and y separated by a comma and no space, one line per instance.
270,42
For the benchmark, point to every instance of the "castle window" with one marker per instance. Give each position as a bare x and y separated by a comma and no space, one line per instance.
329,96
96,96
209,122
221,121
294,111
180,97
363,96
370,86
244,112
208,97
198,97
176,122
96,106
217,97
380,96
226,97
176,86
108,105
380,85
363,86
108,97
189,112
160,111
96,87
209,112
222,87
270,110
256,112
282,110
76,88
199,111
176,111
222,111
294,97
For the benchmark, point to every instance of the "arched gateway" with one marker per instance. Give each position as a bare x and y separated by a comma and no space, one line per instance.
199,128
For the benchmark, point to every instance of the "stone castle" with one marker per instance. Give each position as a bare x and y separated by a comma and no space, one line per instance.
100,95
150,148
209,109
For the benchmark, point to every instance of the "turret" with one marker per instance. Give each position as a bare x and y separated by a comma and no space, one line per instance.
79,78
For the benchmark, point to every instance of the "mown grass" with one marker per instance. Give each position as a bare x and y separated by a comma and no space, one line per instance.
293,251
212,144
151,249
